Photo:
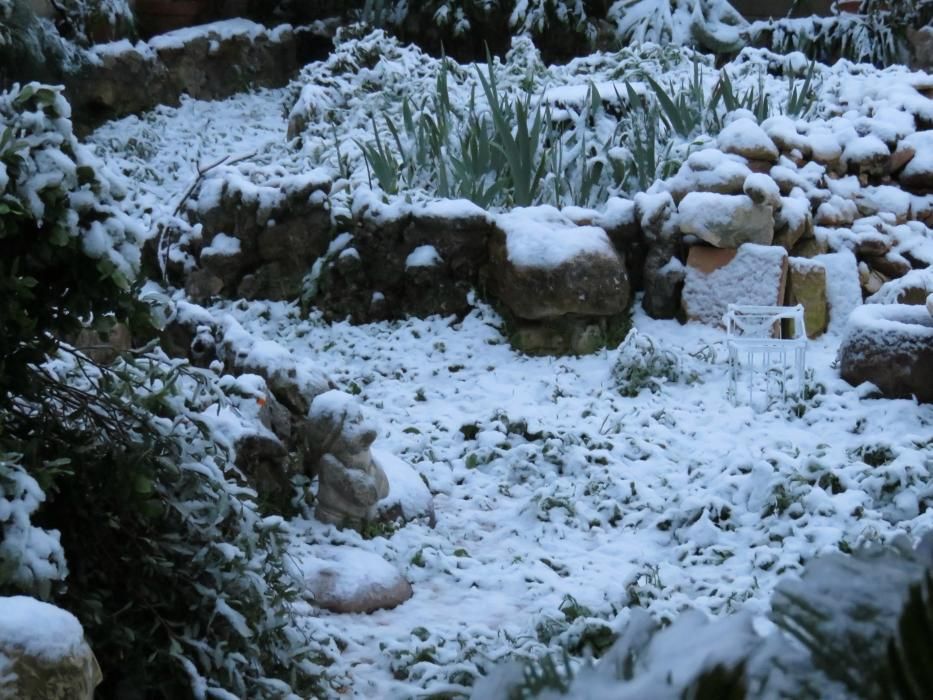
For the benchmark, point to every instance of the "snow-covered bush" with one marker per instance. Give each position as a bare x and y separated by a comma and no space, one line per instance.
117,499
711,24
878,34
864,624
519,132
640,364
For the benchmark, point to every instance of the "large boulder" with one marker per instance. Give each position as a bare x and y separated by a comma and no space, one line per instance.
546,267
752,274
891,346
726,221
43,653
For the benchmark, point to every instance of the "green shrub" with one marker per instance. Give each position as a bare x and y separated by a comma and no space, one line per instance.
116,499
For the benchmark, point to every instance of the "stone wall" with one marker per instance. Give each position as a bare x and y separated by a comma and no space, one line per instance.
209,62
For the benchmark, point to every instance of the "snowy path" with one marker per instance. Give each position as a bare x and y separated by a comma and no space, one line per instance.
669,500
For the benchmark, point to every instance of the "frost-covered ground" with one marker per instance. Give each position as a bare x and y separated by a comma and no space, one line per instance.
561,504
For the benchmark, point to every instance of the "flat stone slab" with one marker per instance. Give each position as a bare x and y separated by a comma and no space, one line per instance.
752,274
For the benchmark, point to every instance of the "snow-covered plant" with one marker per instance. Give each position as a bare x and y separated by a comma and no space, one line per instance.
877,34
112,477
863,627
640,364
87,21
711,24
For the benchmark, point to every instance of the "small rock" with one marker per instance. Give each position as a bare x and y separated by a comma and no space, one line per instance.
726,221
664,282
745,138
762,190
350,580
792,222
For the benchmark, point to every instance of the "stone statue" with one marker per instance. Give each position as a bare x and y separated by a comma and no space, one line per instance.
350,483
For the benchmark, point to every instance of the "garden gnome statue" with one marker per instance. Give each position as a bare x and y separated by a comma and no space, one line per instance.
349,482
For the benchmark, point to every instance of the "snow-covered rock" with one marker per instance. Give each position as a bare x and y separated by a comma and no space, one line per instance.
745,138
546,267
891,346
352,580
409,497
726,221
752,274
43,653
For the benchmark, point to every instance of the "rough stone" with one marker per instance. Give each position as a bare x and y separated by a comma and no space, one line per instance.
891,346
43,653
792,222
917,174
380,284
545,267
107,349
261,457
745,138
620,221
806,285
867,155
709,170
891,265
664,282
726,221
568,335
752,274
809,247
350,580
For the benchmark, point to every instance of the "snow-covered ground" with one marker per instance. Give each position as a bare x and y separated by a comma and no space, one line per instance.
561,504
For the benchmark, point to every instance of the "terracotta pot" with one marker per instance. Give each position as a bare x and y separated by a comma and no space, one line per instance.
160,16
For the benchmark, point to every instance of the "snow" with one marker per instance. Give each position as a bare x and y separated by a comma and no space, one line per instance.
542,237
222,30
423,256
222,244
864,149
744,135
843,291
38,629
546,481
349,571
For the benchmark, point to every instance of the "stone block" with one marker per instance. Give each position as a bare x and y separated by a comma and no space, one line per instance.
752,274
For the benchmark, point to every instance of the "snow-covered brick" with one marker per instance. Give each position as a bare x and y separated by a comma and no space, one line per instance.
752,274
806,285
843,290
745,138
726,221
